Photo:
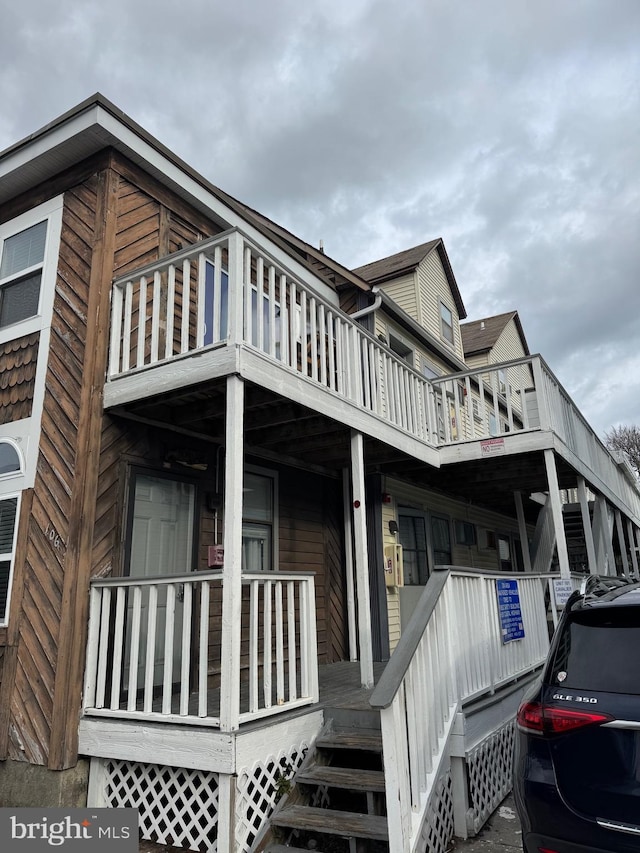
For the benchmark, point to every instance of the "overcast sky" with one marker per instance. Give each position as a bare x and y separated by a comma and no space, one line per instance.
510,128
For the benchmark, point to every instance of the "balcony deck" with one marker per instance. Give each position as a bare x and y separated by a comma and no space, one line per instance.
225,307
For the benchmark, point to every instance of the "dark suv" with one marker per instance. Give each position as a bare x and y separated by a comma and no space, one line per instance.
577,761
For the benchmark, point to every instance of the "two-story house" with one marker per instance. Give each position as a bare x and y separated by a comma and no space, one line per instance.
229,467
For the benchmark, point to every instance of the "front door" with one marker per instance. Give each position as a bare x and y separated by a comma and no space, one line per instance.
161,543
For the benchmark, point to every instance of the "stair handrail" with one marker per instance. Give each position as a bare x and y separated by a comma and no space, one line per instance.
432,671
395,671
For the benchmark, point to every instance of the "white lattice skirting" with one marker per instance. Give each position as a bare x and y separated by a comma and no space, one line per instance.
258,789
489,774
176,806
437,829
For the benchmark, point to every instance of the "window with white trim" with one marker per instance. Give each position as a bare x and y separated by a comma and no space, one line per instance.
29,247
21,264
446,323
10,460
8,526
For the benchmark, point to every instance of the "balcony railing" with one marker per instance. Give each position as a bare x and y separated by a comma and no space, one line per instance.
154,646
229,291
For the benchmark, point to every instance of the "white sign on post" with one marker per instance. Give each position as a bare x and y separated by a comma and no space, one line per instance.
562,589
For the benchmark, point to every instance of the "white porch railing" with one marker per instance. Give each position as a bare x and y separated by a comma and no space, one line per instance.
499,400
154,646
450,652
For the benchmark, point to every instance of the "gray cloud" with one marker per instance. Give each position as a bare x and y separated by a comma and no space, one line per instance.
510,129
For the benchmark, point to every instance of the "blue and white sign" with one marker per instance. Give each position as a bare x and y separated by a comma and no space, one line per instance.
509,612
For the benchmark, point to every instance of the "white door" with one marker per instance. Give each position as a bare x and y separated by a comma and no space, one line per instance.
161,544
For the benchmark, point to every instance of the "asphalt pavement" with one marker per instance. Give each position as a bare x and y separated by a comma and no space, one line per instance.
501,833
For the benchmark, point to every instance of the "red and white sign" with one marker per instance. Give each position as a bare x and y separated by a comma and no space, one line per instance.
492,446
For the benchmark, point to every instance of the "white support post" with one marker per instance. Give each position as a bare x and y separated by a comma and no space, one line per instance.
97,789
556,510
236,288
586,526
622,544
541,395
632,547
232,571
348,550
603,530
362,559
522,527
226,814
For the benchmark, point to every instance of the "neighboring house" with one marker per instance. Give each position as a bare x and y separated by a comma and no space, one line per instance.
219,486
494,339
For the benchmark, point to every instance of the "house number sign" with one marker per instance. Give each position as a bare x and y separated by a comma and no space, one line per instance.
54,538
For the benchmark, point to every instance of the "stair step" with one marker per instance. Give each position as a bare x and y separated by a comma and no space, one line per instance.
342,777
331,822
351,739
284,848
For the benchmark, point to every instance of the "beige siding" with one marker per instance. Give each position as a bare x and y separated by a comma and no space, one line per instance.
476,556
476,360
434,289
393,597
404,293
508,345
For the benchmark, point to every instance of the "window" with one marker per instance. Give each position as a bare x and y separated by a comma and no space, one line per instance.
413,538
258,522
21,263
493,424
446,323
475,408
428,369
400,348
8,515
441,541
502,381
465,533
28,251
10,460
211,333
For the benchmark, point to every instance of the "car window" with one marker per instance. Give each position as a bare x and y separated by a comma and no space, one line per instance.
594,652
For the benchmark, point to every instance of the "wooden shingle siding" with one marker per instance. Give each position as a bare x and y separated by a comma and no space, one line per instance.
18,361
38,647
138,229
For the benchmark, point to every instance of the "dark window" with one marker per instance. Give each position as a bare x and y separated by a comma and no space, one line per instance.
413,538
465,533
441,539
8,509
594,652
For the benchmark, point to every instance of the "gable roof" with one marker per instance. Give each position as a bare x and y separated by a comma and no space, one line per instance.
480,336
402,263
96,124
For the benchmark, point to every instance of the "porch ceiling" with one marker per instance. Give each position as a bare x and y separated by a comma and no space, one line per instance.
279,429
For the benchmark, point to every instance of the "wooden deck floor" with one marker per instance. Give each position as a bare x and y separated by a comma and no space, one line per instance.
338,686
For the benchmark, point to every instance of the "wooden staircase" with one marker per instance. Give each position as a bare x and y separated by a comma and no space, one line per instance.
338,802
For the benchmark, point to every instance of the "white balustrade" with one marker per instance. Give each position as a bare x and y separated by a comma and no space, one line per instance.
154,646
452,651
